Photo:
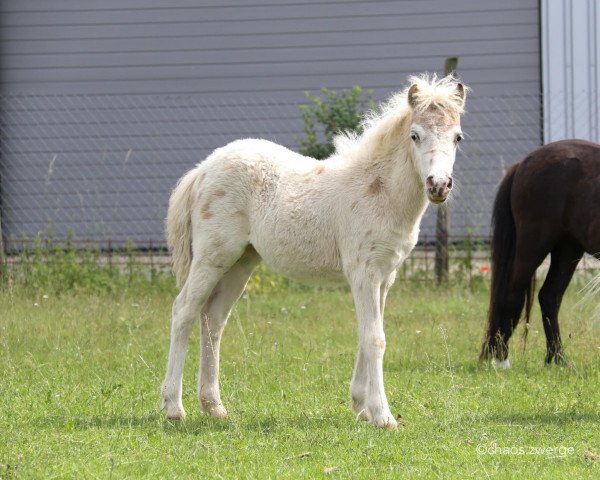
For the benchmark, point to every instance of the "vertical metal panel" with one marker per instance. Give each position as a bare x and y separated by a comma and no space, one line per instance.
570,66
169,81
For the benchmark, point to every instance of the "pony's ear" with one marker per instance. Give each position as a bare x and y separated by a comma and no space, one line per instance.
412,95
460,91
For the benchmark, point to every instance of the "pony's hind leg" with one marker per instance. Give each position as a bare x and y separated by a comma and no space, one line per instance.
181,325
506,310
564,259
186,309
510,312
205,273
214,317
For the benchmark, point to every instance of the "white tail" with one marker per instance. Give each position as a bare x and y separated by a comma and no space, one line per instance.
179,225
591,292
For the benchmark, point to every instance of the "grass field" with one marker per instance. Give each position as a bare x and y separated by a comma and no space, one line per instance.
80,375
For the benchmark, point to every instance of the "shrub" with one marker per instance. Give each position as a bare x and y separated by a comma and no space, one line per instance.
335,112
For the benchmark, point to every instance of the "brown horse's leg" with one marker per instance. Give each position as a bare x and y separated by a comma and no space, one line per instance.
564,259
508,307
512,307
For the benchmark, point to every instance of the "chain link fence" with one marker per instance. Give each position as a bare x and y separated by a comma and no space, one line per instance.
97,170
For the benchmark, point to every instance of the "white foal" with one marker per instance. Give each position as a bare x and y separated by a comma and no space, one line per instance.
351,218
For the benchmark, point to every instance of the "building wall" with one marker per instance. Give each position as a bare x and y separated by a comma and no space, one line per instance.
571,69
105,104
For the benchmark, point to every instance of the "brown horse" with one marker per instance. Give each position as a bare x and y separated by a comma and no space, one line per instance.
548,203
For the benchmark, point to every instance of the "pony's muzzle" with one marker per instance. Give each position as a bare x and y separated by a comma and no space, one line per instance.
438,188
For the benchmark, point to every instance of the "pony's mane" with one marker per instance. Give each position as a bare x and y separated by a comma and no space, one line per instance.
379,124
439,93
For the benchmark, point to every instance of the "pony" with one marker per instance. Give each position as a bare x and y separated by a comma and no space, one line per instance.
548,203
351,218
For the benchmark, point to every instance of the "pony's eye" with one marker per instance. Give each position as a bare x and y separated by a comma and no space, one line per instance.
414,136
459,137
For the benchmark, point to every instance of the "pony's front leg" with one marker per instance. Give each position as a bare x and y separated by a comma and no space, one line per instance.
368,394
358,389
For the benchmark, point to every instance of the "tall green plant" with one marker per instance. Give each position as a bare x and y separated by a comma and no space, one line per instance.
43,265
327,115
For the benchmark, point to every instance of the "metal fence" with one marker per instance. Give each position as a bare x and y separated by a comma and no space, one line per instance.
98,170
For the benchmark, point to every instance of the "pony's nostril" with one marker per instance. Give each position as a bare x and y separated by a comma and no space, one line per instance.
449,184
429,183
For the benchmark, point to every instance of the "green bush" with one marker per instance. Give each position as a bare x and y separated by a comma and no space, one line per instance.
335,112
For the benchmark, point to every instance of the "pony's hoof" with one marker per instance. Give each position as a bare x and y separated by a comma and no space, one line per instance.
174,409
560,360
501,364
176,413
386,421
359,409
218,412
381,418
214,409
361,413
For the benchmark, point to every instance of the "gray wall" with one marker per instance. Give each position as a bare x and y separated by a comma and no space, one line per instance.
105,104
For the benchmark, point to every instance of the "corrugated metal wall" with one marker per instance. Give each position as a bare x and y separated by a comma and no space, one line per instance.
105,104
571,69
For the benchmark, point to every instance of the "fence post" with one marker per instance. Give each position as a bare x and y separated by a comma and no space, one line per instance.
441,224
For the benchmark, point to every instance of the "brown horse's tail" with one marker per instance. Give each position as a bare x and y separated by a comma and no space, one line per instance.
503,248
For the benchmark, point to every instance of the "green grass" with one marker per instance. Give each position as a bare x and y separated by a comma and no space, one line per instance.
80,377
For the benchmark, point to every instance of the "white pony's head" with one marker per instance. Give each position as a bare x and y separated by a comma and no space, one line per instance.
435,130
